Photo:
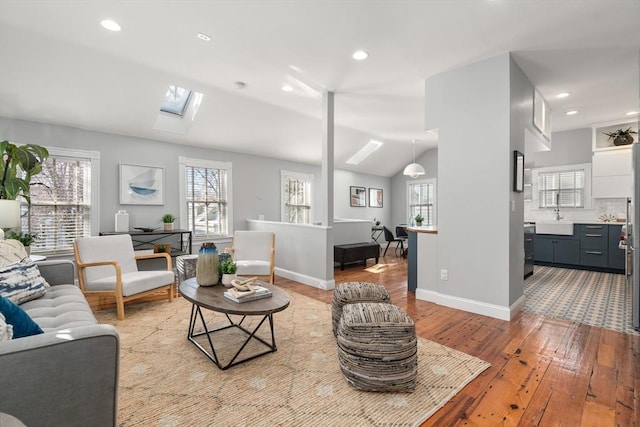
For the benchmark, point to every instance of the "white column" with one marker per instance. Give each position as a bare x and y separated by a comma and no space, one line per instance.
326,179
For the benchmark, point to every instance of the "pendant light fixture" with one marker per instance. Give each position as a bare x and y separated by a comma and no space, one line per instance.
414,169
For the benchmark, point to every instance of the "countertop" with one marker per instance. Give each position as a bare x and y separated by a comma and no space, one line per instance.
430,229
533,221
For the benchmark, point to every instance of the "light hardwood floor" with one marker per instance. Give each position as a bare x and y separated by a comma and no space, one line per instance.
544,372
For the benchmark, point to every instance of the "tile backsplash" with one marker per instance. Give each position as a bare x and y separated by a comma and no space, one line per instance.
617,207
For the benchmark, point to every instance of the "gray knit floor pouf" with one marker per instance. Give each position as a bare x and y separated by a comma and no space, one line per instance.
377,347
351,292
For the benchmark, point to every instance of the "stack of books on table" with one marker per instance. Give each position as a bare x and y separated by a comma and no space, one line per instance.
236,296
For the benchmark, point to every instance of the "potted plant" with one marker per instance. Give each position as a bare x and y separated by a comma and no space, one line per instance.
18,164
25,238
228,268
621,136
168,220
419,218
161,248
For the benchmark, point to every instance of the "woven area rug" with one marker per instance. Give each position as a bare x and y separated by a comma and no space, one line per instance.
166,381
588,297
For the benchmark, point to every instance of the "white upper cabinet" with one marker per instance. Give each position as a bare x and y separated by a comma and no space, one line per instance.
611,164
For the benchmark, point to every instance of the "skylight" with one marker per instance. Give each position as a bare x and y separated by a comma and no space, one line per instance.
364,152
175,100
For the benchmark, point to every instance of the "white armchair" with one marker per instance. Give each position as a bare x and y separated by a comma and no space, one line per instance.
254,252
107,266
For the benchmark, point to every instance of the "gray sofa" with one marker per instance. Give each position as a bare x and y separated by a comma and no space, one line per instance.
67,376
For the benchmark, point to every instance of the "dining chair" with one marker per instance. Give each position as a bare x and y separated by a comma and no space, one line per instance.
389,237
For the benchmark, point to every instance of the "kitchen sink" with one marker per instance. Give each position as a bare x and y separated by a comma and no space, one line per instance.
554,227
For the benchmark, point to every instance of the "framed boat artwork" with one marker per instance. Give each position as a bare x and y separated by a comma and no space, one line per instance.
141,185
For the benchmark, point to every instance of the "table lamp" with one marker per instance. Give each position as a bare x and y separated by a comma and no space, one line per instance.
9,215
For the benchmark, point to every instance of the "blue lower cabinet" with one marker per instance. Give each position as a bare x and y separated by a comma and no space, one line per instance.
592,246
594,258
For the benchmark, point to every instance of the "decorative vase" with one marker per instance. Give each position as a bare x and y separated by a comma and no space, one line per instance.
122,222
168,226
624,139
207,265
419,223
227,278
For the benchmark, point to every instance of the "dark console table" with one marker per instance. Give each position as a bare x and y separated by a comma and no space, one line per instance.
180,240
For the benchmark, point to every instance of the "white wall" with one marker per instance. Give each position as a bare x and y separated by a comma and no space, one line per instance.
399,202
342,208
568,148
521,113
471,108
256,180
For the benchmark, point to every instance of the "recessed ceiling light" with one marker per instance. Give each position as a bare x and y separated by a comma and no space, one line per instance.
360,55
571,113
110,25
632,113
204,37
563,94
287,88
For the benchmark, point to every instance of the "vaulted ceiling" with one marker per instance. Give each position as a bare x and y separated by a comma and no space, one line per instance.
60,66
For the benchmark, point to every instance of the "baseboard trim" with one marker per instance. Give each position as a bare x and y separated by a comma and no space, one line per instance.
472,306
325,285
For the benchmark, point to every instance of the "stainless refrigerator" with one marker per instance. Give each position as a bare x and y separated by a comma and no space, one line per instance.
633,235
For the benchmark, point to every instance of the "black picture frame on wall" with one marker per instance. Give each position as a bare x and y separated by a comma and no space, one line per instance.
358,196
518,171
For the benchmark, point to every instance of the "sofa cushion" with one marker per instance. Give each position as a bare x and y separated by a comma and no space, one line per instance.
62,307
6,330
22,281
23,325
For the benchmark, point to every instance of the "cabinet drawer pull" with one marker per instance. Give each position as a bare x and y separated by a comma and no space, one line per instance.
593,226
593,252
528,240
593,235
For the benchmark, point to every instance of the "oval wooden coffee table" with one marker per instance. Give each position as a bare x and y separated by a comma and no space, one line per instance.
212,298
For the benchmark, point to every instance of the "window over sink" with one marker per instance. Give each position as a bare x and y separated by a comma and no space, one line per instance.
562,187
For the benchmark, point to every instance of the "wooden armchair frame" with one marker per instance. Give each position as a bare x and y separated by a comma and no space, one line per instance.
117,292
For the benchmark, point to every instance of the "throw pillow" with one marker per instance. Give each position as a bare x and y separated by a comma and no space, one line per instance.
22,281
6,330
23,325
11,251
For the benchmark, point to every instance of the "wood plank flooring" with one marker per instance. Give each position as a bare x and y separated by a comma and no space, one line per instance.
544,372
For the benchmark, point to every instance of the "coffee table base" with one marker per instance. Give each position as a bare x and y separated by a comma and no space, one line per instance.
196,312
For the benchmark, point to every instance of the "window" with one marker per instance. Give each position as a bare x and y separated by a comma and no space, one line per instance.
205,188
64,200
422,200
561,189
296,197
175,100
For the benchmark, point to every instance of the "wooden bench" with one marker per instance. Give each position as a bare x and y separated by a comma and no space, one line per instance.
353,252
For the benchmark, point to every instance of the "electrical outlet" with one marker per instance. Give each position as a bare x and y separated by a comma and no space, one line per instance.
444,274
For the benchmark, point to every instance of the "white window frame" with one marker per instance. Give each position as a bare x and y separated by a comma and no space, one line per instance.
183,223
94,158
557,169
432,181
284,174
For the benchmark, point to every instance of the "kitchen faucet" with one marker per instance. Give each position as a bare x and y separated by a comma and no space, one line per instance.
557,210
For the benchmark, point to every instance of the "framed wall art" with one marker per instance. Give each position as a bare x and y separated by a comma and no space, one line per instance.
375,197
141,185
518,172
358,196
